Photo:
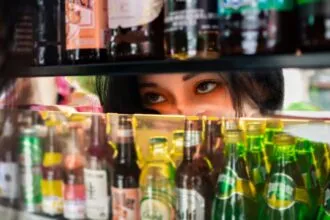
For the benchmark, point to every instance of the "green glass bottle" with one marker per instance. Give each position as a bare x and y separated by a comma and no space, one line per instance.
285,195
273,126
309,171
322,157
256,158
157,183
176,152
324,212
235,197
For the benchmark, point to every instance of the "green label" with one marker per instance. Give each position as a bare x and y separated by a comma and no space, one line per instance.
281,191
226,7
227,184
30,151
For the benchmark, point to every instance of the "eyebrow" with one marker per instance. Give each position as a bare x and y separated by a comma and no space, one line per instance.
188,76
148,84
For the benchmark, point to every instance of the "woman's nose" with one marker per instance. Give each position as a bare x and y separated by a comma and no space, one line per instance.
188,108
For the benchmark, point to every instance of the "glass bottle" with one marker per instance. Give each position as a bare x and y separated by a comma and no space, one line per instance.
126,172
52,174
194,189
49,37
324,211
273,126
157,183
256,158
85,31
136,30
177,147
235,197
257,27
191,29
285,194
96,173
74,188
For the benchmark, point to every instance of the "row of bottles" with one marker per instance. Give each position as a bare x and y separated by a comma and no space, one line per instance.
71,31
216,169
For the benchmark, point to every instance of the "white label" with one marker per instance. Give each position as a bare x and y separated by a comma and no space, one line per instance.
9,180
153,209
124,133
190,205
192,138
52,205
131,13
97,199
74,209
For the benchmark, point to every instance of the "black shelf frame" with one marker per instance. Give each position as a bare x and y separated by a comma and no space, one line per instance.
229,63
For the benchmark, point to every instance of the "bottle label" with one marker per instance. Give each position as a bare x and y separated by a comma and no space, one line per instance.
97,199
190,205
9,180
281,192
192,138
52,199
132,13
85,24
193,16
125,203
74,201
31,186
230,184
237,6
52,159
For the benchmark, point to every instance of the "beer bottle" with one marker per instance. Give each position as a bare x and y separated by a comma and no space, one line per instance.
285,195
157,182
322,158
96,173
74,188
85,31
9,173
191,29
125,175
273,126
257,27
309,171
235,197
52,174
256,158
324,212
313,24
214,146
194,189
136,30
177,147
50,32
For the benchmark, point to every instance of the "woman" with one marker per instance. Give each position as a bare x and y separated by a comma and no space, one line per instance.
249,94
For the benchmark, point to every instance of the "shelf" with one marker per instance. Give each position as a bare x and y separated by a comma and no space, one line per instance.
232,63
12,214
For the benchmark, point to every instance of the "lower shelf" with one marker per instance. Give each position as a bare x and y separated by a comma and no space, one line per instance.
12,214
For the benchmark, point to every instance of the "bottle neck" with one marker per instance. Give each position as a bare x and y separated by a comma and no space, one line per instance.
232,150
192,145
255,143
284,153
50,147
126,153
269,134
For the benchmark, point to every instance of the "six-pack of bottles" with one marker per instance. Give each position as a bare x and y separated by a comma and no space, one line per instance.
89,31
91,166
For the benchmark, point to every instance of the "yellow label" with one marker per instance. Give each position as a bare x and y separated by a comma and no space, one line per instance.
51,159
51,187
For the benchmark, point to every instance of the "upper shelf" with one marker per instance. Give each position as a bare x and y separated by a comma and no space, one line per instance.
232,63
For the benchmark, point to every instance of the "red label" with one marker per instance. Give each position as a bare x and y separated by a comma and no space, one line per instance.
74,201
125,204
74,192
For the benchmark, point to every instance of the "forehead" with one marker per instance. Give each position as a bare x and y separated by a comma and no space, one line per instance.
161,78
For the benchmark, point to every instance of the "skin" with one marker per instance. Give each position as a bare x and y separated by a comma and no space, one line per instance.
188,94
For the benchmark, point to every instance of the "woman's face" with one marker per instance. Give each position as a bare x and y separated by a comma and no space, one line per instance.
188,94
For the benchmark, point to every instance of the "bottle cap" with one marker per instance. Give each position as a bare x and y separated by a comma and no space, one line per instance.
157,140
230,124
254,128
178,134
233,136
284,139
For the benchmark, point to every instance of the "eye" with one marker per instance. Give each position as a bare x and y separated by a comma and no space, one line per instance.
153,98
205,87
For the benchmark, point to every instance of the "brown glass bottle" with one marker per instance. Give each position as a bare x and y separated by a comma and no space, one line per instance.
136,30
191,29
126,172
214,146
193,185
314,25
49,40
257,27
96,173
85,31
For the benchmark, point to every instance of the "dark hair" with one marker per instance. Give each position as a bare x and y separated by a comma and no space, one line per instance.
264,89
